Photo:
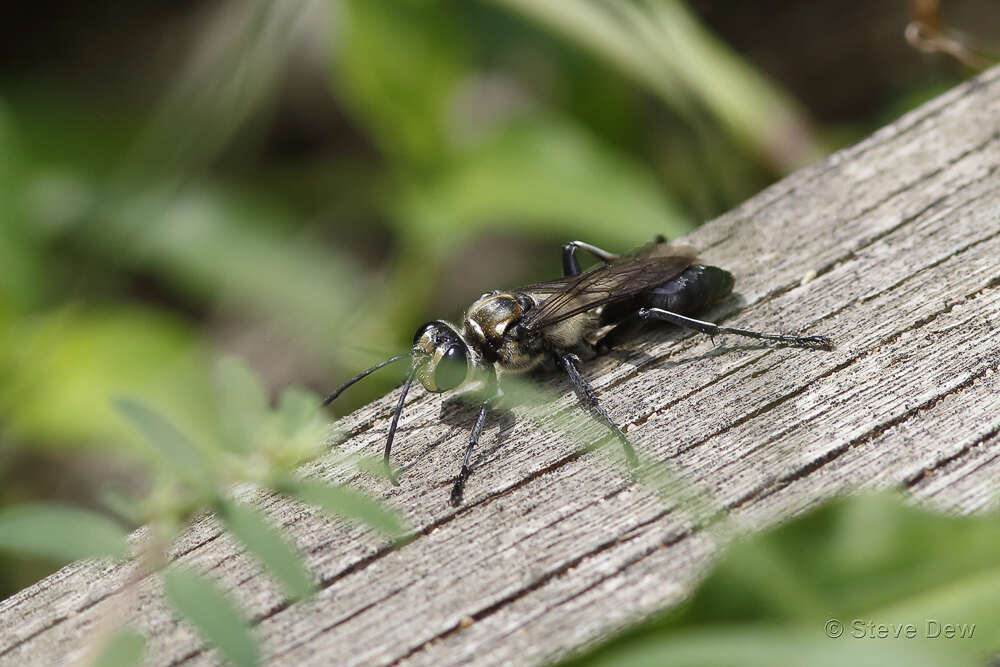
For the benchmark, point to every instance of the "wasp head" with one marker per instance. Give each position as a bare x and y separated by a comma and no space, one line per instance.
440,357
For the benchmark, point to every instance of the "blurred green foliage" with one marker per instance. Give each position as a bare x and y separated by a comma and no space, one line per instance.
201,602
250,445
862,581
125,649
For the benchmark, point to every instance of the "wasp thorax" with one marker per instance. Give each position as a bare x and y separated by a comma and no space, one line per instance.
440,356
489,318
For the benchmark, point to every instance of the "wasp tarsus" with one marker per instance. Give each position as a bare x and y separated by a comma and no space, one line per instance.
559,322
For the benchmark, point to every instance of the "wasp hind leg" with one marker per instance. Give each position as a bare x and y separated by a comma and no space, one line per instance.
817,342
571,265
584,392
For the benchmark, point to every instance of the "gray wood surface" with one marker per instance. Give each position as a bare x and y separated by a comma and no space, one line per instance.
556,548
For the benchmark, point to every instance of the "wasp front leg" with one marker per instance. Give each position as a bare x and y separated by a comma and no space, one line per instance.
477,430
588,398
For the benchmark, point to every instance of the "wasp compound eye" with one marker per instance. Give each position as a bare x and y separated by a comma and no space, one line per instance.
422,330
452,368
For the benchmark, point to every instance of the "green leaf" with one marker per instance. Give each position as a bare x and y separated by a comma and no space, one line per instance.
372,465
765,646
664,47
243,403
62,533
125,649
240,249
266,544
347,503
864,563
543,176
121,504
297,407
201,603
171,443
61,365
383,42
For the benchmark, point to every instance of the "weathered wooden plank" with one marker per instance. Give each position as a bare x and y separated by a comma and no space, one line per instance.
555,548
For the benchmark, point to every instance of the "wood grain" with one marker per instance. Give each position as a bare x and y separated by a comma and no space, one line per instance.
555,547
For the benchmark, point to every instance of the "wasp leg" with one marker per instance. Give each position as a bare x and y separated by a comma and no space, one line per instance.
588,398
571,265
392,427
477,430
818,342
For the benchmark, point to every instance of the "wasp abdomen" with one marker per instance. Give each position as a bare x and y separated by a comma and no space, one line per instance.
693,291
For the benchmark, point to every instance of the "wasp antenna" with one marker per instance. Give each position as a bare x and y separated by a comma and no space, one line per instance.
361,376
395,421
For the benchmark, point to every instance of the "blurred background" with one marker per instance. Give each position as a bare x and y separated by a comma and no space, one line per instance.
303,183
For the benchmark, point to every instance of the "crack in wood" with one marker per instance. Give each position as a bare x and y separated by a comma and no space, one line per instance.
926,471
802,472
538,583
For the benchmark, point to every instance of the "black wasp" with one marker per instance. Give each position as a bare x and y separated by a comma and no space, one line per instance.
558,323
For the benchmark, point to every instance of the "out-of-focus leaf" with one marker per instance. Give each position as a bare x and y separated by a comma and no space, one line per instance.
242,402
61,367
22,261
266,544
754,109
175,447
231,74
347,503
201,603
543,177
8,141
236,249
373,465
243,250
766,646
865,553
62,533
818,585
54,125
297,407
121,504
381,45
661,45
125,649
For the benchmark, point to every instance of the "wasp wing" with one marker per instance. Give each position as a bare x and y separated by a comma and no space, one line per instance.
616,281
